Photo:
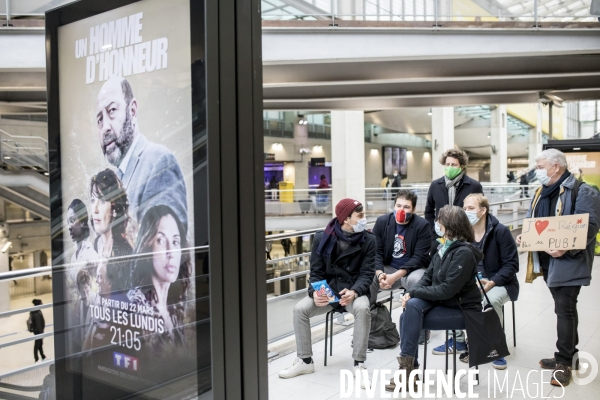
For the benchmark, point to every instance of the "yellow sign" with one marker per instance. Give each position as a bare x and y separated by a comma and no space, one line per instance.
567,232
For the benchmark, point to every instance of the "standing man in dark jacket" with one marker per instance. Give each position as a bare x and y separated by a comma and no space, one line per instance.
403,241
344,256
500,262
37,327
565,271
451,189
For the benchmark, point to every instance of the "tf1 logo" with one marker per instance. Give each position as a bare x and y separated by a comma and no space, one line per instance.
126,362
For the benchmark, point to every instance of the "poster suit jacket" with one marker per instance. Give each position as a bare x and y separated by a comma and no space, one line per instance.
153,177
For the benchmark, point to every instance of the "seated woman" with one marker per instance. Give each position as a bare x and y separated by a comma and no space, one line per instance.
433,302
500,262
162,273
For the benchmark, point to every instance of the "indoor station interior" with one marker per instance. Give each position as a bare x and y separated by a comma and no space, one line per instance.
360,99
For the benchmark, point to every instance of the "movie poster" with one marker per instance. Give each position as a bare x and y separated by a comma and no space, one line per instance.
126,174
394,159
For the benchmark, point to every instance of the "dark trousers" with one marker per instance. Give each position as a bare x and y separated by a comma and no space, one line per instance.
37,347
423,314
565,308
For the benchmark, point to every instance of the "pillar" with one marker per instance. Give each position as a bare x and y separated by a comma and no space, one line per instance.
348,156
499,138
535,137
442,137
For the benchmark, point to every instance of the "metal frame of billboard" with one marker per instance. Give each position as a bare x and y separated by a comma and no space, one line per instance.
227,34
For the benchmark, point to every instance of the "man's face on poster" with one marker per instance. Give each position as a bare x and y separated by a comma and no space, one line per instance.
84,293
114,121
104,285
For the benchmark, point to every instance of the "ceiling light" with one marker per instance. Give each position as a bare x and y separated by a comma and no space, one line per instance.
6,246
46,173
489,136
430,112
374,151
7,157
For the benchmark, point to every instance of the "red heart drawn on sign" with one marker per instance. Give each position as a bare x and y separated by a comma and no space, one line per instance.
540,226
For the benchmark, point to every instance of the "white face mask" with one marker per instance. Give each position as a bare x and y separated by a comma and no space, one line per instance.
473,218
438,229
360,225
542,176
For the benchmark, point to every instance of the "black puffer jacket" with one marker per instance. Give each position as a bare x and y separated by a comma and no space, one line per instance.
38,324
452,277
353,269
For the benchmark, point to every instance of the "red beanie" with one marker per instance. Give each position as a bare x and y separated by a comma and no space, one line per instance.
344,209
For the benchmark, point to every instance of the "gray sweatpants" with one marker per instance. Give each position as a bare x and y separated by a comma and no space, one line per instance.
307,308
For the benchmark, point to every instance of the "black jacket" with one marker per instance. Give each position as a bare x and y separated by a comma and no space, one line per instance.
353,269
452,277
501,258
418,241
437,197
37,322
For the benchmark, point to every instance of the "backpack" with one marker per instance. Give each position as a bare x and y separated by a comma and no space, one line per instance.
30,323
383,332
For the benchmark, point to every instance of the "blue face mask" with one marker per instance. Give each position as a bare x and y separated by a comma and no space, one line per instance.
438,230
473,218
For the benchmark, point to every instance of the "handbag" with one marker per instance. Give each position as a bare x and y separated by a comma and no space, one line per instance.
487,341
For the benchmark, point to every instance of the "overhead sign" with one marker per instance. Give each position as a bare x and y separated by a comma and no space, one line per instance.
568,232
317,162
269,157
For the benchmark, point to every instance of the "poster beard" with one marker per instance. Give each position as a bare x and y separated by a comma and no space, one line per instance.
127,172
115,147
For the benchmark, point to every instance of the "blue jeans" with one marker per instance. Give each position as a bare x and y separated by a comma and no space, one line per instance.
423,314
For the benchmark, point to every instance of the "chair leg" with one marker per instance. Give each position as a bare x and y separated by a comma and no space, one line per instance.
454,363
424,356
326,334
514,326
447,352
331,335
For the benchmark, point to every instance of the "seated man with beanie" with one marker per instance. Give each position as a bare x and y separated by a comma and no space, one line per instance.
403,242
344,256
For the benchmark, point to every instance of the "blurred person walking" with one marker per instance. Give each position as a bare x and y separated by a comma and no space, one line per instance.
36,324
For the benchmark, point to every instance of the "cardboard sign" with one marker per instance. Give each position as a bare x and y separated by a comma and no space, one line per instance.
568,232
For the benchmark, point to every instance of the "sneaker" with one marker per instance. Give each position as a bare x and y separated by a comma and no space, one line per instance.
464,357
425,336
561,375
550,363
299,367
364,381
441,349
499,364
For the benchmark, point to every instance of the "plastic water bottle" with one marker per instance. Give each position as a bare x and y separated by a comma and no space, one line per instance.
479,275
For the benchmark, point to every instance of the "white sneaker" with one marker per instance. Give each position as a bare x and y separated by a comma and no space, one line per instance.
363,380
299,367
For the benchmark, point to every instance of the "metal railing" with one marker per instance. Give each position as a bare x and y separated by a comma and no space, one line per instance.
282,202
534,13
20,151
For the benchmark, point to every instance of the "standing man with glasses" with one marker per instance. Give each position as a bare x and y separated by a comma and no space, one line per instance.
564,271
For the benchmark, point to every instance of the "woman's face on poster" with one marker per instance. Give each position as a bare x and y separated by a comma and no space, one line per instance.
167,250
101,214
75,228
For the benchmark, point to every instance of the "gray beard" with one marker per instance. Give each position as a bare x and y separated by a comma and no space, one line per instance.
123,143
